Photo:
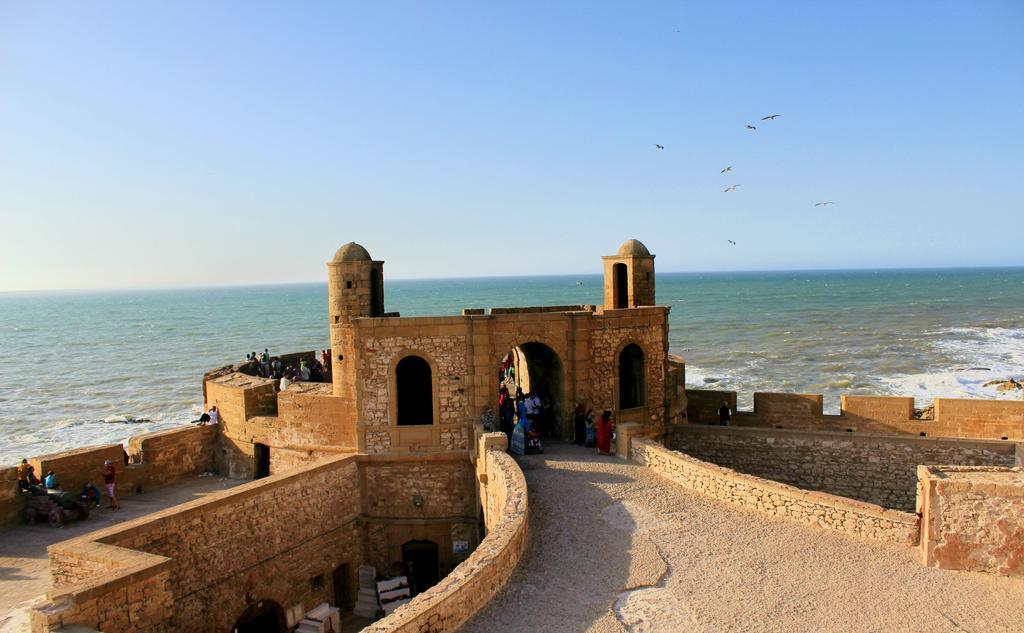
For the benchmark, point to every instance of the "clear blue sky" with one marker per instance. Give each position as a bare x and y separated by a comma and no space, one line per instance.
153,144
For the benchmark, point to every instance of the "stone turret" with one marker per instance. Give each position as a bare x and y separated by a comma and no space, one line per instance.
355,288
629,277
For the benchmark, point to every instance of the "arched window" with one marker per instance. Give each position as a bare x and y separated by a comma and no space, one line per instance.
620,286
632,391
415,391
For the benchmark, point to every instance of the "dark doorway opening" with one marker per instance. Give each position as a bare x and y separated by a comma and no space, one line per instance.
376,294
342,587
620,286
262,455
415,398
265,616
536,367
420,562
631,377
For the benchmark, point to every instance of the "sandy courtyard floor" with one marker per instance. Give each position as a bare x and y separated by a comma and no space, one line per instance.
614,547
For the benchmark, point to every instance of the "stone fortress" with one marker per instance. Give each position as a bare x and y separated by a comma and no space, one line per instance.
388,465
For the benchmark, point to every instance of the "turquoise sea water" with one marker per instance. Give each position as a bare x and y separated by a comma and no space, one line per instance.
76,365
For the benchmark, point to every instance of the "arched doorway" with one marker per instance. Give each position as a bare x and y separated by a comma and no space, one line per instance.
421,565
415,397
632,390
265,616
536,368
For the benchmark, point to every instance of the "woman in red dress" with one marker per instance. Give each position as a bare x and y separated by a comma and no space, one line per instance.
605,426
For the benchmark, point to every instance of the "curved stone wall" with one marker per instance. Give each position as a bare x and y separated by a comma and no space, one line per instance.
471,585
831,512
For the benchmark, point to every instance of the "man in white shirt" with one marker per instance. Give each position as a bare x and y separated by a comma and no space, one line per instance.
214,416
285,381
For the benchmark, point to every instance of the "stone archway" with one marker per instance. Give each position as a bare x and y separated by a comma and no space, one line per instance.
265,616
537,367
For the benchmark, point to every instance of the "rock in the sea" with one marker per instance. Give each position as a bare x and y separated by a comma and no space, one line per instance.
1005,385
925,413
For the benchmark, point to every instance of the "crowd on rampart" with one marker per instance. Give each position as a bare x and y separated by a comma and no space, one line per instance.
308,370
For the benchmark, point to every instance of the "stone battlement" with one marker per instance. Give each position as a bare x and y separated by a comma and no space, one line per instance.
954,417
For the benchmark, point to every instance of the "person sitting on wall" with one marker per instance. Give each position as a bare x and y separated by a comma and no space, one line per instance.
32,479
724,414
90,495
23,470
50,481
214,416
286,380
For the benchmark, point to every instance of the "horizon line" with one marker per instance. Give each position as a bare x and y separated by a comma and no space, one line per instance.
458,278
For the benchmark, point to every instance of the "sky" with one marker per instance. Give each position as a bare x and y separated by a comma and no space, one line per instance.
202,143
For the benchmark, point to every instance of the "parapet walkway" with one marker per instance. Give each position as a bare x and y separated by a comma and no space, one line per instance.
613,547
24,567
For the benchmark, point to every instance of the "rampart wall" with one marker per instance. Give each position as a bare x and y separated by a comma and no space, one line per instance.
472,584
830,512
877,469
155,459
972,518
198,566
953,417
210,558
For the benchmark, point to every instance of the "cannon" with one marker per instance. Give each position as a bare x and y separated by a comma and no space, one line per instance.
55,506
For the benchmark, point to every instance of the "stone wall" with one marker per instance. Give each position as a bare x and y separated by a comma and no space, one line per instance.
472,584
830,512
953,417
608,337
972,518
155,459
878,469
265,540
279,538
110,588
12,504
445,348
423,497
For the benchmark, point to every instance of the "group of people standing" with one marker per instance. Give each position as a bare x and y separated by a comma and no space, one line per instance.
536,415
28,483
591,431
309,370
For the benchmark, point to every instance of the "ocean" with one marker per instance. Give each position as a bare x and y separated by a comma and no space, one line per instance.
81,368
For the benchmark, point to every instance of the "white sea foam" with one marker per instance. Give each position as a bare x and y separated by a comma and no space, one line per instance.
976,355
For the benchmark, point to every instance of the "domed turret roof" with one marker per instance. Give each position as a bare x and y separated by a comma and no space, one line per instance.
633,248
352,252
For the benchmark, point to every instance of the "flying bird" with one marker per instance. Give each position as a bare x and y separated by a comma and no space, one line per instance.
731,242
823,204
659,146
728,189
729,168
771,117
751,127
